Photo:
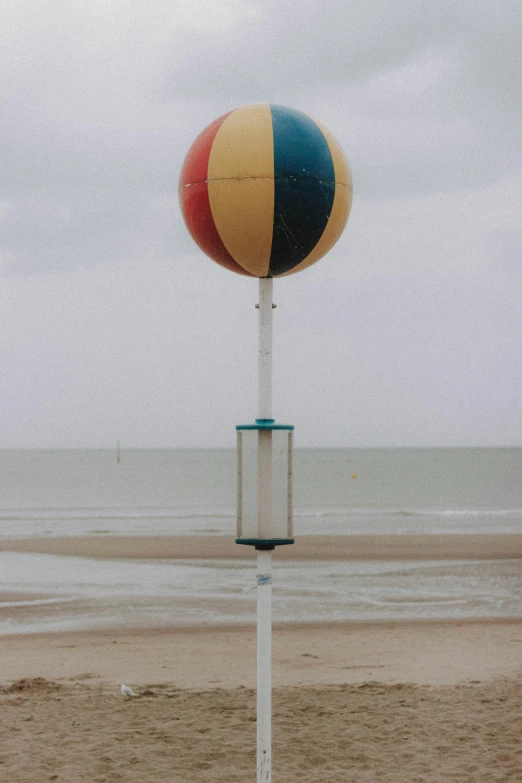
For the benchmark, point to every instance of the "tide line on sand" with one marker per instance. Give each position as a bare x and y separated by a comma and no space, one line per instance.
449,546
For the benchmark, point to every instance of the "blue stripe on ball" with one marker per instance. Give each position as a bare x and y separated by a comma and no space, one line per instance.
304,188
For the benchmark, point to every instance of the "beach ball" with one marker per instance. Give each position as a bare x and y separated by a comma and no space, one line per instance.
265,190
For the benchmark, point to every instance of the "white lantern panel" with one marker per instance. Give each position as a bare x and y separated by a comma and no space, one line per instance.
264,510
247,484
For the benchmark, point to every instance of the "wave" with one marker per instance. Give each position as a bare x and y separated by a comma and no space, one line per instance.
158,513
100,513
424,512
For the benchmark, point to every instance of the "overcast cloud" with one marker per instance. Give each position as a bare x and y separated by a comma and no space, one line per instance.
115,326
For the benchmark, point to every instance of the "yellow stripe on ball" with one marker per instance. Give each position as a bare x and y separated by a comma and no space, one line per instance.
241,186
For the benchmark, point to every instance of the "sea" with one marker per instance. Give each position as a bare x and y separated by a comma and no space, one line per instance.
150,492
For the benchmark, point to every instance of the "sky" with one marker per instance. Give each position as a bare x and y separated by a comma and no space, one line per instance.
113,324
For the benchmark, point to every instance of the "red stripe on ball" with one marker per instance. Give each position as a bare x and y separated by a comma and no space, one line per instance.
194,201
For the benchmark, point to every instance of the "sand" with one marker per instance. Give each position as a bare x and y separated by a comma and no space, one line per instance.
357,547
396,703
427,653
417,702
368,732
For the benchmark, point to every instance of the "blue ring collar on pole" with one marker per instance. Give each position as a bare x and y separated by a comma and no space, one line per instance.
264,424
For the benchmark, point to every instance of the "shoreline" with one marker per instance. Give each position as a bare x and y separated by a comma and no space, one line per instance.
448,546
298,625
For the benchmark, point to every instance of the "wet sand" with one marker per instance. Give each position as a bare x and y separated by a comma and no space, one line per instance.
427,653
402,702
357,547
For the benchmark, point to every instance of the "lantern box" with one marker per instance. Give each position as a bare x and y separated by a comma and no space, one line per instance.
264,484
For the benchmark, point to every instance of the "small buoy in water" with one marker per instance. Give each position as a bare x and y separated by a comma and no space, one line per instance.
354,475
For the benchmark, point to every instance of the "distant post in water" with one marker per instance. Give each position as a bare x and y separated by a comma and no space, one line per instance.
265,191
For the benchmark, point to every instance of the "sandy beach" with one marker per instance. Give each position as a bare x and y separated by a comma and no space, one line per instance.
399,702
390,702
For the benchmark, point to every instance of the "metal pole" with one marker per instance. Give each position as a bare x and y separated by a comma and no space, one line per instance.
264,557
264,448
265,347
264,666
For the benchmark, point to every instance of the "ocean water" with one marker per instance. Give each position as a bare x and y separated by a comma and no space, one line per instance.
151,492
185,491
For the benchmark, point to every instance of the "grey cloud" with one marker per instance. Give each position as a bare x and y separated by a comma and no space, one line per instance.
506,253
464,129
51,232
100,105
298,46
307,44
434,357
492,61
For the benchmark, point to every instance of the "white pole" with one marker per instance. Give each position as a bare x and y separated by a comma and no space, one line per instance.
264,557
264,462
264,666
265,347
